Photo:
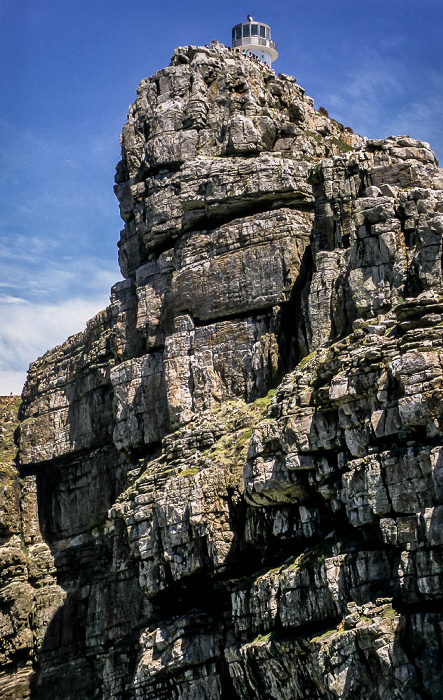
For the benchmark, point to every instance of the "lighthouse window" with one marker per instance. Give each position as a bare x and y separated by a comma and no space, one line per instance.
246,30
268,34
254,30
262,31
238,32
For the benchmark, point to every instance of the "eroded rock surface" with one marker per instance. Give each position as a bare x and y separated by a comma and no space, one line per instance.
239,463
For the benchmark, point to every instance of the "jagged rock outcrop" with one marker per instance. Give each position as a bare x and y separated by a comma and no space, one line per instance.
239,462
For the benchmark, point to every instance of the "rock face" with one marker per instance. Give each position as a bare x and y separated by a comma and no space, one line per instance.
29,595
239,463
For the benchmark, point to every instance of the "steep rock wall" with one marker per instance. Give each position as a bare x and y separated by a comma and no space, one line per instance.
238,462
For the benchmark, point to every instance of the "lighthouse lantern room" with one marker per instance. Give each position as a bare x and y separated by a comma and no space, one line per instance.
254,38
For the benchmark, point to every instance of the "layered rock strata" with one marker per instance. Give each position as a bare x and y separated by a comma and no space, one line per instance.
239,462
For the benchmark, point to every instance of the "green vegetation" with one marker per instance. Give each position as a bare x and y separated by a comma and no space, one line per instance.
317,137
278,635
234,421
316,555
323,636
232,447
304,361
191,471
240,419
264,402
387,611
336,631
298,563
341,145
262,638
261,573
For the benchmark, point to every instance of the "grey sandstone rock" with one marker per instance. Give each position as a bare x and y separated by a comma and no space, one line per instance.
237,469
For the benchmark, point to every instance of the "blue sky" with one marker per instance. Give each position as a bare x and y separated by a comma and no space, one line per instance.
68,72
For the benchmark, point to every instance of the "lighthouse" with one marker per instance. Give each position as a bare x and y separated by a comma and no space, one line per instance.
253,37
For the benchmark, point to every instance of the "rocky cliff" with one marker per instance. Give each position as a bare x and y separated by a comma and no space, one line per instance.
238,465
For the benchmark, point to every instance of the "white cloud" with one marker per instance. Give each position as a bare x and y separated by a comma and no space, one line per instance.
28,330
12,382
376,98
58,257
59,229
419,120
66,276
366,88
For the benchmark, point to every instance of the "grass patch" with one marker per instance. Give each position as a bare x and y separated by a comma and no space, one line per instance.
323,636
316,555
278,635
191,471
262,638
264,402
304,361
341,145
240,419
298,563
232,422
261,573
335,632
231,447
317,137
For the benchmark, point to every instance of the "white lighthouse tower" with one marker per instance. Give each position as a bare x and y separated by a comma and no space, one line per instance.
253,37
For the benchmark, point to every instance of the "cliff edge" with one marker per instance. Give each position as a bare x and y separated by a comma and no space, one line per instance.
238,465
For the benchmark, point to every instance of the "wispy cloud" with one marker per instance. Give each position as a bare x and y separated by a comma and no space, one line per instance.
42,280
28,330
376,98
367,86
58,234
57,185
